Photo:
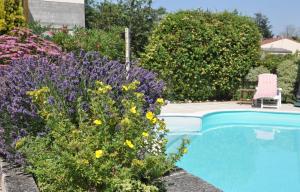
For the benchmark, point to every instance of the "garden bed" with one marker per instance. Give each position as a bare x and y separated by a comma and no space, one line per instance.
14,180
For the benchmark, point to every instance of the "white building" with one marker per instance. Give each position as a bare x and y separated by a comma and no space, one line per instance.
280,46
57,13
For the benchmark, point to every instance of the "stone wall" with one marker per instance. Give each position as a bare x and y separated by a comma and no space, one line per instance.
57,13
182,181
13,179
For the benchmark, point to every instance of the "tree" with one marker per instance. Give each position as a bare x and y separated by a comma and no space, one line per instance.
263,23
291,32
13,15
202,55
89,12
138,15
2,16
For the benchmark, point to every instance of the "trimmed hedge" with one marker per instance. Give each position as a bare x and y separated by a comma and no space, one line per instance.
203,55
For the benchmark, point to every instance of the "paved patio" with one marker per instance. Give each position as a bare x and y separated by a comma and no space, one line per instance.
201,108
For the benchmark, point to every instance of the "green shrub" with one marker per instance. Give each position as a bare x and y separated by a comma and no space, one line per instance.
139,16
113,146
252,76
37,28
287,77
2,16
203,55
272,61
11,15
109,44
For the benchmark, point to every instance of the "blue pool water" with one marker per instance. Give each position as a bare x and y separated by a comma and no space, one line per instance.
241,151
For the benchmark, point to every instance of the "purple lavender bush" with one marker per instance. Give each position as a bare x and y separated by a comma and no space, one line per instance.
71,76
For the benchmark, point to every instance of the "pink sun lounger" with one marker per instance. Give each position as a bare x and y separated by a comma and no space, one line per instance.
267,90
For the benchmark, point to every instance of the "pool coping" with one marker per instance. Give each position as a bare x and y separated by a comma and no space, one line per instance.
182,181
204,113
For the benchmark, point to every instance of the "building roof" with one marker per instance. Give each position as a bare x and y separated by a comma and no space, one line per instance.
271,40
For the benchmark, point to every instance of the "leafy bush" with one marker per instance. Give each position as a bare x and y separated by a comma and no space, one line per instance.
113,146
11,15
2,16
287,77
109,44
22,43
39,29
138,15
252,77
71,75
272,61
202,55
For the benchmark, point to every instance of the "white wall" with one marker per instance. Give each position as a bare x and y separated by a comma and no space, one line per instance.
58,13
68,1
285,44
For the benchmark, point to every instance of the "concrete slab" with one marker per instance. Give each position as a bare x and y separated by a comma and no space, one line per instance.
205,107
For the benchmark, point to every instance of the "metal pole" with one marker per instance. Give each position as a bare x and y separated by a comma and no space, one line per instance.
127,50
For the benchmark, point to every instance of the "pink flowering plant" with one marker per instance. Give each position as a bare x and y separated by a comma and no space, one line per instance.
115,145
21,43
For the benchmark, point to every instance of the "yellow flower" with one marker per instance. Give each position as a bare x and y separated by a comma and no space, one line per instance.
154,120
145,134
139,95
99,83
129,144
133,109
97,122
160,101
99,153
104,89
101,90
185,150
149,115
20,143
30,93
125,88
44,89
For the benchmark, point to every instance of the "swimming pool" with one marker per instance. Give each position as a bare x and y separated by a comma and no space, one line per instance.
241,151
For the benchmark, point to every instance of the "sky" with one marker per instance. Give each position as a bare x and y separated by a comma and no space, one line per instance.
281,13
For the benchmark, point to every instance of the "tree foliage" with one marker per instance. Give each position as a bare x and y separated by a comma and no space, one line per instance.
138,15
263,23
291,32
107,43
252,76
287,78
202,55
11,15
2,16
271,61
